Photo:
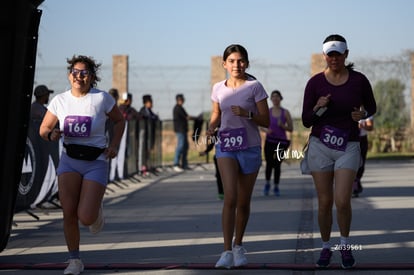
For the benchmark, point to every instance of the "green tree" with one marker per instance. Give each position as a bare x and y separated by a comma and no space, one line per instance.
392,115
391,107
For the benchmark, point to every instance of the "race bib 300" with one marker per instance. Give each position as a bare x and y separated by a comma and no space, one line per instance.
334,138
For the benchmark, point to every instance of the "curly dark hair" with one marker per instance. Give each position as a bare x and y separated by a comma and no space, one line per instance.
90,63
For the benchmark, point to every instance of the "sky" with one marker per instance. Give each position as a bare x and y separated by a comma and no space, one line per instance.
163,33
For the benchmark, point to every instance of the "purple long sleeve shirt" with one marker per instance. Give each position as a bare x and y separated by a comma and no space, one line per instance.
355,92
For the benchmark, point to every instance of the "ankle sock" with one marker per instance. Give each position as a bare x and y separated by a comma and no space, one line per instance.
326,245
344,240
74,254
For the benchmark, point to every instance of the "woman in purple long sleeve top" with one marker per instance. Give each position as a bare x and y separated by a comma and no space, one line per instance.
334,101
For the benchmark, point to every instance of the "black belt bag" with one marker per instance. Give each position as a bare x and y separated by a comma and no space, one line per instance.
83,152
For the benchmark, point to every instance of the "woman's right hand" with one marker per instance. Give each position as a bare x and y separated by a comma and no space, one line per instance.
210,132
322,102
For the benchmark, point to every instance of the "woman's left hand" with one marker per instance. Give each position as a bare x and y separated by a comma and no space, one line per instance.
358,114
111,152
239,111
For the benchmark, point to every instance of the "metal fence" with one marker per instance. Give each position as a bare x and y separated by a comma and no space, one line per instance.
164,82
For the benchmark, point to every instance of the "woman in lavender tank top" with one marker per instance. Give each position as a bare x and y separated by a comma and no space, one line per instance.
276,141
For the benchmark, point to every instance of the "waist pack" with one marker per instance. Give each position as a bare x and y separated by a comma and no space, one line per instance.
83,152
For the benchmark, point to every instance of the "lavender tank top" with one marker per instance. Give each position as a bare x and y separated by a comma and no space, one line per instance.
277,133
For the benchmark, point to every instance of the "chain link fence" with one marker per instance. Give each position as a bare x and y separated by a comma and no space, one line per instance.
164,82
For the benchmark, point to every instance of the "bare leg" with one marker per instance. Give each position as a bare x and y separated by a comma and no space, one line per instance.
324,187
70,185
229,170
90,201
344,179
245,189
80,202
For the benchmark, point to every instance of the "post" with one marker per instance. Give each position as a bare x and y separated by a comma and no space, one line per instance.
120,73
317,63
412,92
217,70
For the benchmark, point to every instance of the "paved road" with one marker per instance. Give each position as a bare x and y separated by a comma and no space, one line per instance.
170,224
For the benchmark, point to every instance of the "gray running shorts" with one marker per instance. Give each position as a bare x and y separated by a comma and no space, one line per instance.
321,158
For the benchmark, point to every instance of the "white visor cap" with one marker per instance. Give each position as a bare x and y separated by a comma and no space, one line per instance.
334,46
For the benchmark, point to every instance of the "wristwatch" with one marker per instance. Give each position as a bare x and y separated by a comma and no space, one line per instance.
250,115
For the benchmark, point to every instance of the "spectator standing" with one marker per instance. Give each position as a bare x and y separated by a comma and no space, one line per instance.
38,108
115,94
146,109
180,120
126,108
131,116
239,107
116,167
147,141
334,101
276,141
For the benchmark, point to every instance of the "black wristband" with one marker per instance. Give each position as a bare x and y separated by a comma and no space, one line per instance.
250,115
49,136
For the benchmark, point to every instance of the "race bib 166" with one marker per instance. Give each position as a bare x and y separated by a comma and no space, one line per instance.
77,126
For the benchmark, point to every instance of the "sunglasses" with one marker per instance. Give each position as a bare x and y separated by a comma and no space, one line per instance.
82,73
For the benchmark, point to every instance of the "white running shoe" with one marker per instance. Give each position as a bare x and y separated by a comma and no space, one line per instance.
97,226
239,257
178,169
226,260
75,267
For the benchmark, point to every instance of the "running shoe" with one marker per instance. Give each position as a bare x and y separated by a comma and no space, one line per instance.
325,258
355,192
226,260
239,257
266,189
178,169
348,260
360,188
75,267
97,226
276,191
357,188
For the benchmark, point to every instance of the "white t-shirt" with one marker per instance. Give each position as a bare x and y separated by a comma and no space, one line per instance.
244,96
82,119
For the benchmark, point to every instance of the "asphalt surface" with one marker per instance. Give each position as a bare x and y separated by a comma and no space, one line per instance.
170,223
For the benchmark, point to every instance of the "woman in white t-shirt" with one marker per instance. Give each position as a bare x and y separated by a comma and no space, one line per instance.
239,107
82,113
